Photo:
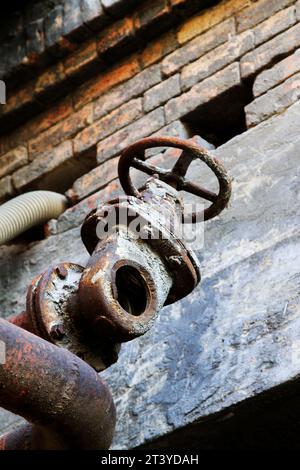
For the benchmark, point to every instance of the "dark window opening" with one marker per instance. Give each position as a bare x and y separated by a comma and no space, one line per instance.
223,118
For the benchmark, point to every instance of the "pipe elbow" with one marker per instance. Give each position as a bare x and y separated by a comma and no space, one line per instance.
69,405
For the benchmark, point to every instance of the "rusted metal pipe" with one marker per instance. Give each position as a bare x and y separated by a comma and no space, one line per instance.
68,404
78,312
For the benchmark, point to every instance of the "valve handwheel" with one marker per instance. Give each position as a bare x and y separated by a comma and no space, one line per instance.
134,156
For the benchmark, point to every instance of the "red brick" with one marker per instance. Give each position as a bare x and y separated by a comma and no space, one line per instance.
203,92
101,84
131,89
259,58
161,93
217,59
275,101
116,36
60,132
159,48
13,160
258,12
86,56
277,74
36,125
144,127
198,47
6,189
29,174
210,17
49,79
18,100
96,179
109,124
274,25
152,17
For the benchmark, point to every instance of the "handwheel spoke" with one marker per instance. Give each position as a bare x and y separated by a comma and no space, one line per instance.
148,168
182,165
192,188
134,156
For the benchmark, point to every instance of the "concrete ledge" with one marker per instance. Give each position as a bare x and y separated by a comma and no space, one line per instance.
237,336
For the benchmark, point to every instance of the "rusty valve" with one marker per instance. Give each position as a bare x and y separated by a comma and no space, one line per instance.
128,278
139,263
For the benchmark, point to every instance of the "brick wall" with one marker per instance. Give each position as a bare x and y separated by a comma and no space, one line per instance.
97,76
156,68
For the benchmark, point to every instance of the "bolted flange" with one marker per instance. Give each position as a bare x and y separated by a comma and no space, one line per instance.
52,303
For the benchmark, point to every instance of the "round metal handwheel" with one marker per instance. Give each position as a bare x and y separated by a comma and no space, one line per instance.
134,157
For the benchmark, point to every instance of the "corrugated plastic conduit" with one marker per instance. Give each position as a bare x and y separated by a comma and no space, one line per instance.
28,210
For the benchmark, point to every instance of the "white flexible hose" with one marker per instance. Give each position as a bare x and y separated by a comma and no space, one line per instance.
28,210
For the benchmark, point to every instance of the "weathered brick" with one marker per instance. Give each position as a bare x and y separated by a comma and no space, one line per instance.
161,93
75,216
203,92
97,86
298,10
116,37
61,131
93,14
109,124
73,25
49,79
144,127
210,17
175,129
49,117
274,101
18,100
53,27
278,73
217,59
96,179
85,57
38,124
274,25
131,89
43,165
198,47
6,189
150,19
259,58
258,12
13,160
159,48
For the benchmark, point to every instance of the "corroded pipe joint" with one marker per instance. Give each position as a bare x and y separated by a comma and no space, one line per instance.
138,265
123,287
